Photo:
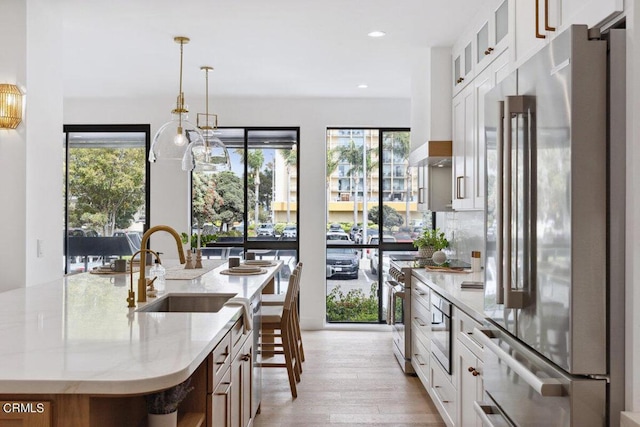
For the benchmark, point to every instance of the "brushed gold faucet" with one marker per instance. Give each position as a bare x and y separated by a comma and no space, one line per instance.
142,281
132,295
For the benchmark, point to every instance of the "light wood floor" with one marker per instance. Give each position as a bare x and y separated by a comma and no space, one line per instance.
349,378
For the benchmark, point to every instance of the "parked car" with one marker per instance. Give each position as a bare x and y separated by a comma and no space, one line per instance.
81,232
343,261
290,231
338,235
402,237
416,231
265,229
372,254
371,232
335,227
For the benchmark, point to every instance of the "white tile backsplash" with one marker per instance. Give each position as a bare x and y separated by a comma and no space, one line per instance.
465,232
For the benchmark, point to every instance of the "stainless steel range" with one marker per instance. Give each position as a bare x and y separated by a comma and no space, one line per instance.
398,293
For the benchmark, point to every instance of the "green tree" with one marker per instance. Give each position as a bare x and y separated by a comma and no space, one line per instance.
255,160
359,164
332,165
106,187
290,157
205,199
399,144
390,217
229,189
266,191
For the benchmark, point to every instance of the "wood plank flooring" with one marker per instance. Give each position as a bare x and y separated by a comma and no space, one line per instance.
349,378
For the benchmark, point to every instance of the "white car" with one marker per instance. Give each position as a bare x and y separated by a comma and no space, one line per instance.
338,235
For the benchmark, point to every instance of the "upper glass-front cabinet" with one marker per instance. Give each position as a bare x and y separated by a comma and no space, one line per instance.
492,37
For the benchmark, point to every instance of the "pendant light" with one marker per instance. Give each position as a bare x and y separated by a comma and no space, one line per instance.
172,139
209,155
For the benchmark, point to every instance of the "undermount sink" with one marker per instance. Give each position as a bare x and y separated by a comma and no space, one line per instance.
195,303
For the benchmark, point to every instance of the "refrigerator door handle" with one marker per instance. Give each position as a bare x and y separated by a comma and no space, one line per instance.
544,386
513,298
499,205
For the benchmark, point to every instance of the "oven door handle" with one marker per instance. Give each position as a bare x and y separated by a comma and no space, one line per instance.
489,415
545,387
396,290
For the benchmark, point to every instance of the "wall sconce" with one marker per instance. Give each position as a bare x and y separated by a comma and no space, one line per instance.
10,106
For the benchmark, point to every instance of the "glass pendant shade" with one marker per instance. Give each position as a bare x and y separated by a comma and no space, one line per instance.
210,155
173,138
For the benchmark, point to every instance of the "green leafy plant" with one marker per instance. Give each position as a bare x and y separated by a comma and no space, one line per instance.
431,238
354,306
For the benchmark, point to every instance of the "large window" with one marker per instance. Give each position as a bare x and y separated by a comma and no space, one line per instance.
106,193
253,207
367,169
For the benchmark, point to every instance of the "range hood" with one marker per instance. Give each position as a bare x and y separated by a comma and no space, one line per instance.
433,160
432,153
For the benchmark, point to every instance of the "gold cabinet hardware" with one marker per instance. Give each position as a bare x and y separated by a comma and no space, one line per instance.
538,35
546,17
488,51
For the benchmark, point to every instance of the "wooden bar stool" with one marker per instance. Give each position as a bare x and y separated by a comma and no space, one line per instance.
277,322
278,300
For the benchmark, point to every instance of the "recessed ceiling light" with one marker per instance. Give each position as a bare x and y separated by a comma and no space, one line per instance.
377,33
363,86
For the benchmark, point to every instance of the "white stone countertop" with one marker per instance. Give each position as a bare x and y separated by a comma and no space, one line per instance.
471,301
76,335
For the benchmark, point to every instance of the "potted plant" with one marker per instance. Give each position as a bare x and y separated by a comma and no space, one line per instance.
162,407
430,241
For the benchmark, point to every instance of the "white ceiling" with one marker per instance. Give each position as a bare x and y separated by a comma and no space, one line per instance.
257,47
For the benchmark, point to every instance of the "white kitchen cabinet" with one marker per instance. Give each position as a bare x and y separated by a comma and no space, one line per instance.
469,388
494,35
483,83
443,393
463,149
537,22
468,365
420,331
462,65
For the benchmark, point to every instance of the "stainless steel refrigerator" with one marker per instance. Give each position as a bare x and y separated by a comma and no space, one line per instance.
547,284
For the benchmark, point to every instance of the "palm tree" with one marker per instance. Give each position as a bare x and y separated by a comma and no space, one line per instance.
332,165
290,159
255,160
399,144
359,162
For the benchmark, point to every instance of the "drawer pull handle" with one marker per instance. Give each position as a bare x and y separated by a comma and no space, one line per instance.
473,371
224,362
438,395
420,322
417,357
226,390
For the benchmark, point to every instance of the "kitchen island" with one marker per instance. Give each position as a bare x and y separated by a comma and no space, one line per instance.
74,343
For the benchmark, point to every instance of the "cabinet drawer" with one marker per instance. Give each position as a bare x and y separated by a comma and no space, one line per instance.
237,337
219,403
464,326
420,292
420,359
219,362
421,327
443,393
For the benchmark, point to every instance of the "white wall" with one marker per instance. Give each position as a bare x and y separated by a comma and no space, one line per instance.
31,156
169,185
